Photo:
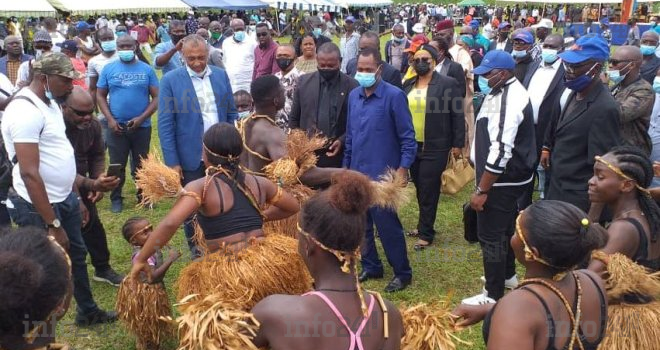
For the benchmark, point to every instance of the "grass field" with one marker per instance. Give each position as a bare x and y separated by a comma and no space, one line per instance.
450,268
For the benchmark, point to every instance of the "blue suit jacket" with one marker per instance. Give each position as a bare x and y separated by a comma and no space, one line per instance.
180,122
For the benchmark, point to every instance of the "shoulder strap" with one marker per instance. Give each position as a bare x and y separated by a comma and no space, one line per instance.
4,92
548,317
643,247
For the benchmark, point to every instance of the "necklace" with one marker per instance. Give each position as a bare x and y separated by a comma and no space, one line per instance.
625,213
353,290
575,318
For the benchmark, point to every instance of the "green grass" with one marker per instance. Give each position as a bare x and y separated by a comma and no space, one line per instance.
452,267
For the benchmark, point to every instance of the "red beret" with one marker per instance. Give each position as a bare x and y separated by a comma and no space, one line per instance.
446,24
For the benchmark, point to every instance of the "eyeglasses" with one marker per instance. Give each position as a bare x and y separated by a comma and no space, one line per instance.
259,35
573,67
80,113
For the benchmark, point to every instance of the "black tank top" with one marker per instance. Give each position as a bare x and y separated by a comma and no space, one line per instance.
551,322
242,217
642,254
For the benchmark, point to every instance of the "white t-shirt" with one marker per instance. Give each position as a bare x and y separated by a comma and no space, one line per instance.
239,62
44,124
57,38
96,64
23,72
6,89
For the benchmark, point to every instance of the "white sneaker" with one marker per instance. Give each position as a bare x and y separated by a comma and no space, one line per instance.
479,299
511,283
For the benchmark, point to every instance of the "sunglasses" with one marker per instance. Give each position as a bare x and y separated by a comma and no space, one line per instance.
80,113
571,68
259,35
422,59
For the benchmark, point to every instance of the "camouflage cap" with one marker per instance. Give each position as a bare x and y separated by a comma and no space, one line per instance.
56,63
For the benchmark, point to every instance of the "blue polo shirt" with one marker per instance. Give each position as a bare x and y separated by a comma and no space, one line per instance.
379,131
128,88
175,62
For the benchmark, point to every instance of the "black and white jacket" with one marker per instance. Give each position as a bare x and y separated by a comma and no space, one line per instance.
504,142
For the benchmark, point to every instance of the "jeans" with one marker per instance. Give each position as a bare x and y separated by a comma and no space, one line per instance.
391,236
188,227
136,144
5,220
426,173
95,237
24,214
495,226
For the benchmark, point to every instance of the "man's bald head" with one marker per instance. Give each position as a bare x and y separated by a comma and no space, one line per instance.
285,51
651,34
13,45
627,53
650,38
627,60
466,30
237,24
78,109
554,41
79,97
203,33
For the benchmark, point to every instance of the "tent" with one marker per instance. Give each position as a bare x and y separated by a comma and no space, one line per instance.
88,7
466,3
306,5
227,4
366,3
26,8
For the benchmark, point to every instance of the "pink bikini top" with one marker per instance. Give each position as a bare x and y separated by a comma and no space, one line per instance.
355,337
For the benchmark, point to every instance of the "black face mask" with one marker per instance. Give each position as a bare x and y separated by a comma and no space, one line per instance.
284,63
176,38
329,74
422,68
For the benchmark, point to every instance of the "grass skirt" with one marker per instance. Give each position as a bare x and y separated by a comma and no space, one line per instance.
140,307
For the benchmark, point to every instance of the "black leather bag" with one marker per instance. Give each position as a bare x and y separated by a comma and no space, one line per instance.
470,224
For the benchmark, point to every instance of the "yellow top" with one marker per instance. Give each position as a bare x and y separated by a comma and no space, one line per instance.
417,105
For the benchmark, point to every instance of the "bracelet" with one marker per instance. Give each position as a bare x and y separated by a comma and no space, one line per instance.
480,191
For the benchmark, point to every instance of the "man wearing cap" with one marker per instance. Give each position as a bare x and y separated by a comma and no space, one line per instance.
132,88
10,63
388,74
522,44
395,53
504,155
478,38
42,44
445,29
503,41
348,45
634,95
70,48
45,184
418,28
651,62
87,48
543,28
588,125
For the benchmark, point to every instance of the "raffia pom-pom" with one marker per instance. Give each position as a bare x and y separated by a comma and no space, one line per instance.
429,327
215,323
156,180
284,170
390,190
141,307
626,277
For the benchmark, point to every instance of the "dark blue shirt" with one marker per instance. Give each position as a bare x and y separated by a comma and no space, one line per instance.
379,131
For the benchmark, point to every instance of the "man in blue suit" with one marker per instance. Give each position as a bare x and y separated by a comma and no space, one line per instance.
192,99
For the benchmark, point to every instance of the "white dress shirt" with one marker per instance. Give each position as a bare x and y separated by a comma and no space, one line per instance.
205,96
239,62
539,84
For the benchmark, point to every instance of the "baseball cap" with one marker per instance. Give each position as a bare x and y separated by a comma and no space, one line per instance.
350,19
474,23
56,63
586,48
544,23
82,25
525,36
418,28
496,59
42,36
504,25
70,45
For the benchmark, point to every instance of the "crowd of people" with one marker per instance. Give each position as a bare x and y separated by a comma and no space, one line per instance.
533,108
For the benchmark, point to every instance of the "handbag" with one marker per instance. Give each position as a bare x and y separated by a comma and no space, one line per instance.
470,224
458,173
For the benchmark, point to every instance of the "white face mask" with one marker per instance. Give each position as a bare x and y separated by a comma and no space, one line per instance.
38,53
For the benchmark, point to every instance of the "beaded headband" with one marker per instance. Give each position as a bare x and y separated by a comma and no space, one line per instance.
619,172
146,228
231,158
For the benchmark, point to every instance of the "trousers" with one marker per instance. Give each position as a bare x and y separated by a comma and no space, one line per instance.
391,236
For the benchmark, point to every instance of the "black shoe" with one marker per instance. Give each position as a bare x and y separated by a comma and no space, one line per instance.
365,276
396,284
109,276
117,206
96,317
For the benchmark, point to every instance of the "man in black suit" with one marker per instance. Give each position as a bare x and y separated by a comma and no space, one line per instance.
545,82
503,40
320,104
388,74
588,124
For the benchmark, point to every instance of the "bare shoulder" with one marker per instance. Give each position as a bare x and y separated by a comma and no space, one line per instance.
270,308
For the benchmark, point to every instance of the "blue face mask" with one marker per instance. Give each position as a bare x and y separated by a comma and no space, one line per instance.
243,115
518,53
366,80
647,50
483,85
549,56
615,76
656,85
317,32
126,55
49,95
580,83
239,36
120,34
109,46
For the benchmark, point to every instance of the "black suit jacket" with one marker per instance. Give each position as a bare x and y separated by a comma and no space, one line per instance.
444,125
454,70
590,129
305,110
550,108
389,74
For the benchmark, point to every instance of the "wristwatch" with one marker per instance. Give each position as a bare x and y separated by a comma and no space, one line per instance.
55,224
479,191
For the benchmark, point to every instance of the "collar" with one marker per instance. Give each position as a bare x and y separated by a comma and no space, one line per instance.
554,66
193,74
377,93
291,72
497,91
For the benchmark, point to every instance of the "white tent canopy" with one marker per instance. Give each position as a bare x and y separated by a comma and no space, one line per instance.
85,7
306,5
365,3
26,8
568,1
